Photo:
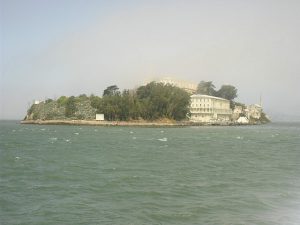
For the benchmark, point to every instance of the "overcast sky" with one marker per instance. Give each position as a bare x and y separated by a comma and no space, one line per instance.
51,48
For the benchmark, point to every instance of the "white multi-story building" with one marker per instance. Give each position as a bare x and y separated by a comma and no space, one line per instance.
187,86
206,108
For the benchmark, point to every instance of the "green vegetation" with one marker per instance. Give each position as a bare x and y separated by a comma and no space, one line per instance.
150,102
70,107
163,101
206,88
62,101
228,92
111,90
48,100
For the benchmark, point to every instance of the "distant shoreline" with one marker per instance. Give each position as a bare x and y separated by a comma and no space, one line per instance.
130,123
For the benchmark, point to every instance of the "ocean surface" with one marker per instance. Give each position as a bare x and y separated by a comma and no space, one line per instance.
125,175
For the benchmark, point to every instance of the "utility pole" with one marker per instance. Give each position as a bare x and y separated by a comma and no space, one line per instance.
260,101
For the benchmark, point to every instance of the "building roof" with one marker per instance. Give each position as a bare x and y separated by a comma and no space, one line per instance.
178,83
208,96
254,107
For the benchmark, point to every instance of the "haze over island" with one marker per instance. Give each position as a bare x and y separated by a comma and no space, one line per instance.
55,48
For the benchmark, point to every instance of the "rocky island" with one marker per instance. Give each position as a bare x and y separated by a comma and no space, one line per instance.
165,102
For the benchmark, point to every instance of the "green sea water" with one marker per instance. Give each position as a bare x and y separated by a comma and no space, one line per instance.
124,175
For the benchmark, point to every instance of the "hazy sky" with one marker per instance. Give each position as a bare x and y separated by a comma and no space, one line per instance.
51,48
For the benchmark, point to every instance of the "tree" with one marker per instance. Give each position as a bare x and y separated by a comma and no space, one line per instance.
163,101
62,100
48,100
111,90
129,106
228,92
82,97
206,88
111,107
96,102
70,107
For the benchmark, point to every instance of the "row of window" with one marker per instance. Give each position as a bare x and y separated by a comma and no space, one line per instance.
202,110
201,100
218,111
200,105
200,116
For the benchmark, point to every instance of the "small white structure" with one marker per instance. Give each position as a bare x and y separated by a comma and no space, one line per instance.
206,108
99,117
36,102
243,120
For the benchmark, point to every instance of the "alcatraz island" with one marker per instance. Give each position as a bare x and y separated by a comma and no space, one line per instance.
162,102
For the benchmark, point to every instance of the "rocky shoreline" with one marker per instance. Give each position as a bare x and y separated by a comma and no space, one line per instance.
130,123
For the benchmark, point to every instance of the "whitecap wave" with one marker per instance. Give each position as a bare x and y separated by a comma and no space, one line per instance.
163,139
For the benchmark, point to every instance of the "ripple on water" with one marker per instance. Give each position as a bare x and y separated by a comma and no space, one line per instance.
203,175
